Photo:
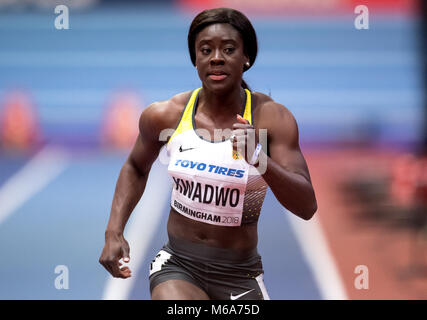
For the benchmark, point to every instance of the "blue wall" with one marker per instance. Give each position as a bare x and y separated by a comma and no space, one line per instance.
342,84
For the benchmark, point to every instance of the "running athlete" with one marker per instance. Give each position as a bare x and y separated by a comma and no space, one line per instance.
219,181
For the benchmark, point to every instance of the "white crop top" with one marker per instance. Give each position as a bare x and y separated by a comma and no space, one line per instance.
210,183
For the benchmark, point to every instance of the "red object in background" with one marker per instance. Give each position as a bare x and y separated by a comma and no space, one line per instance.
387,6
119,129
421,192
19,124
407,176
303,7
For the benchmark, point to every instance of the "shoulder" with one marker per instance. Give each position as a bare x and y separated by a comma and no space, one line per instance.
163,114
269,113
278,120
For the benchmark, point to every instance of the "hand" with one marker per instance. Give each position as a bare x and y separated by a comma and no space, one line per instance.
116,248
245,138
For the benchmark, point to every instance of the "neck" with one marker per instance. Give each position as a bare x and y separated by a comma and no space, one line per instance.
227,104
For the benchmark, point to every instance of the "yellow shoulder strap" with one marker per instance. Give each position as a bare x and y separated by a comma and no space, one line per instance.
186,122
248,107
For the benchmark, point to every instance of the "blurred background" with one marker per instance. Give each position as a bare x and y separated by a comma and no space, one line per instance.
72,90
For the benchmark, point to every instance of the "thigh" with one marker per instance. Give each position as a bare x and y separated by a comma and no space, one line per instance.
178,290
171,279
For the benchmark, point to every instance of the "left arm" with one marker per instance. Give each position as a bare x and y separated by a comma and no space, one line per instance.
285,170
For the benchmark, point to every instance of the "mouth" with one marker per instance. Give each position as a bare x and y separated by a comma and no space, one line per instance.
217,75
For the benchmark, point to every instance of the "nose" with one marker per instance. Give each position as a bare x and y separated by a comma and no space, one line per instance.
217,58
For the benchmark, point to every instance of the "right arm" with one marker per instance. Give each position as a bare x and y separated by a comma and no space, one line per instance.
129,188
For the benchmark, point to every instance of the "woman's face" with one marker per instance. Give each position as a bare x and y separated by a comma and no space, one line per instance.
220,56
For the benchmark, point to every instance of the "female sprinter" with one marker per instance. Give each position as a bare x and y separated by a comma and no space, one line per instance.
220,171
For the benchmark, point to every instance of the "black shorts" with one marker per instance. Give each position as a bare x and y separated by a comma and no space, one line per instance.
224,274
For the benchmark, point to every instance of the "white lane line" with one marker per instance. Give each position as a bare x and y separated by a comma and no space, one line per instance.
140,229
42,169
320,260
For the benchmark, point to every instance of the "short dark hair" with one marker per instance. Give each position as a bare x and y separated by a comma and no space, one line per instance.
224,15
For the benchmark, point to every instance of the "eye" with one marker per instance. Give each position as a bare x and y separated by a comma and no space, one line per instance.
205,51
229,50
